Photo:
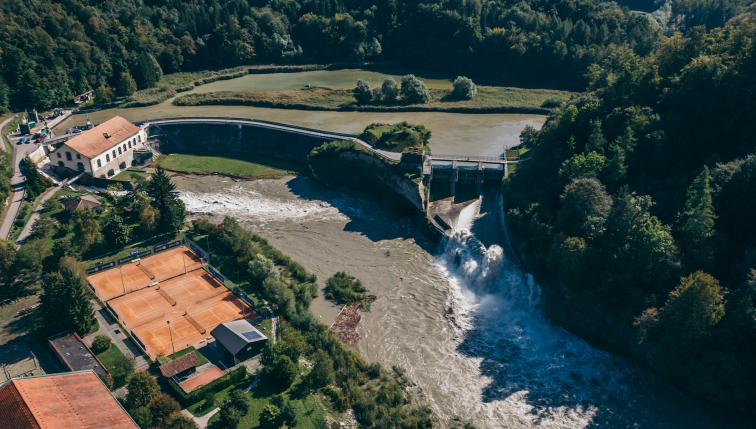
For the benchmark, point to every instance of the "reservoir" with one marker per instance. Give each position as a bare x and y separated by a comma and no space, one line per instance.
462,133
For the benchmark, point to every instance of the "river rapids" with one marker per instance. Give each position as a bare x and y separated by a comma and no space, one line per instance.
461,318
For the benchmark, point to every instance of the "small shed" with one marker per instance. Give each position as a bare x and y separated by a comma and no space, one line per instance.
181,366
86,200
74,354
238,340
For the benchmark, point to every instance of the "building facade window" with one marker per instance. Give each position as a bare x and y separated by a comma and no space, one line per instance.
139,139
129,144
68,156
119,151
114,155
60,164
80,166
107,158
78,156
59,156
124,147
99,164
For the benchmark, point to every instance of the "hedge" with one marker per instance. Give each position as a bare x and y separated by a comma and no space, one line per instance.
187,399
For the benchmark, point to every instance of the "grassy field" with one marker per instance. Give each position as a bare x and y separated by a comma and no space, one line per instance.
232,163
309,407
202,360
489,99
108,359
127,174
514,153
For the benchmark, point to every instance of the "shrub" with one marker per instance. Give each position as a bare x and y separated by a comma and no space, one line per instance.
551,103
390,89
464,88
362,92
414,90
101,343
345,289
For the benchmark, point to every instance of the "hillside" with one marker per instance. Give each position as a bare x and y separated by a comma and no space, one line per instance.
51,51
634,210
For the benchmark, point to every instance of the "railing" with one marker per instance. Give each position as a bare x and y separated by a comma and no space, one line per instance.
445,156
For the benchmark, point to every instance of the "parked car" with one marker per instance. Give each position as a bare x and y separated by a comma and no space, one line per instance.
21,141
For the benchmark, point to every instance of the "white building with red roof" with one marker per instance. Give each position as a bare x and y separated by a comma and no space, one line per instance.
102,151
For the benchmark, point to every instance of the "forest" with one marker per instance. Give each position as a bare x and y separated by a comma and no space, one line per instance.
51,51
636,209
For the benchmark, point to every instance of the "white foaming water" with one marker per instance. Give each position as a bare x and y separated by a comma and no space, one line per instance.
238,201
465,323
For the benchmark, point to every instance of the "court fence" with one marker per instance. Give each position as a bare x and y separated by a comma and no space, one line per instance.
196,248
164,245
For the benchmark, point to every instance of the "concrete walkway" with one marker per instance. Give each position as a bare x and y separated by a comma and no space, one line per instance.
27,228
202,422
272,318
110,327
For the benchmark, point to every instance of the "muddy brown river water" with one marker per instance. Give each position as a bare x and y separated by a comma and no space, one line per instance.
459,317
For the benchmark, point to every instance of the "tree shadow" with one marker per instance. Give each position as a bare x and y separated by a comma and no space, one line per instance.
368,216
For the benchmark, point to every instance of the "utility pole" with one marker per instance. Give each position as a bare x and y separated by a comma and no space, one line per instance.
171,334
120,271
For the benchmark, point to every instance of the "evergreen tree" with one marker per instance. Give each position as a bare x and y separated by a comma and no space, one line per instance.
615,170
116,232
698,223
66,300
596,141
145,73
166,200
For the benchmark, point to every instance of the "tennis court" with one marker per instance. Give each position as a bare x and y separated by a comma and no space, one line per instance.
190,326
176,294
133,276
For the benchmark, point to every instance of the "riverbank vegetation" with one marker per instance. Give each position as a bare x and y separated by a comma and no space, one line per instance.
487,100
397,137
345,289
235,164
638,224
52,51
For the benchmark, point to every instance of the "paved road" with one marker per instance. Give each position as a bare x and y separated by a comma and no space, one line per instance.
17,181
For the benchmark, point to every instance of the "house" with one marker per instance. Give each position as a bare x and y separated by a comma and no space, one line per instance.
238,340
74,354
70,400
86,200
102,151
180,367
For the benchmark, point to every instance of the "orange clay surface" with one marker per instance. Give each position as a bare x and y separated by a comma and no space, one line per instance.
129,278
195,383
147,304
158,340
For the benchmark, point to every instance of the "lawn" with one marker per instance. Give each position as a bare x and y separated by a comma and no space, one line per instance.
108,359
309,407
68,193
127,174
202,359
514,153
233,163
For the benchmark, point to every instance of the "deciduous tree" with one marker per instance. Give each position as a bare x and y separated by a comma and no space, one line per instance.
414,90
464,88
117,232
362,92
322,373
142,388
163,408
390,89
85,227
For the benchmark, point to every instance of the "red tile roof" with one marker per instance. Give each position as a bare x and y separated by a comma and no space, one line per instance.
93,142
71,400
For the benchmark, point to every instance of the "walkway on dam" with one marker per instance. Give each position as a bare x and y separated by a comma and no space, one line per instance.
391,156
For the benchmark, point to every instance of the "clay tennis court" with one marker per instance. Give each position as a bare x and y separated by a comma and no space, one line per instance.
133,276
178,294
189,327
198,381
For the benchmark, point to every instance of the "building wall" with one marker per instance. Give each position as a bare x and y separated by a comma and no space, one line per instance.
254,348
110,164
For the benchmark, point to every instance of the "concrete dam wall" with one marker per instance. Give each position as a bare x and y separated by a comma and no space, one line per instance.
275,140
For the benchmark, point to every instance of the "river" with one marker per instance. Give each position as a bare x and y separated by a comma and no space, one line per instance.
460,318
